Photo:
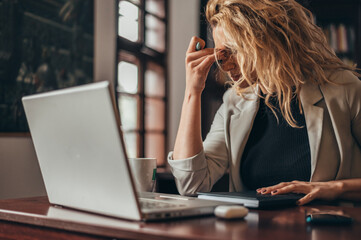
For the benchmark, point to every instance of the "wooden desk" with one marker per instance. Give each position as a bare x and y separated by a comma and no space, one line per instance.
35,218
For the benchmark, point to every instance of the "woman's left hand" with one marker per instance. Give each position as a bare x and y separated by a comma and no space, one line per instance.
313,190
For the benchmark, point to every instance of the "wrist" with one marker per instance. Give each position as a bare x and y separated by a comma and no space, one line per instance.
192,94
339,187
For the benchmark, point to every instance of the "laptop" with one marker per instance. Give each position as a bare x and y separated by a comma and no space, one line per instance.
81,152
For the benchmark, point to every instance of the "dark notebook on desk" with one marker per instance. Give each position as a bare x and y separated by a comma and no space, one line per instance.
252,199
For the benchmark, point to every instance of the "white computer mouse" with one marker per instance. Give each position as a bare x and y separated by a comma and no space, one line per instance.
230,211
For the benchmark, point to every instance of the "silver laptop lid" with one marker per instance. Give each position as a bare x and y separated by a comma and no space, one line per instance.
80,150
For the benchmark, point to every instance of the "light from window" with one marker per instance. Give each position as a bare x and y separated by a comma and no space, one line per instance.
127,77
128,21
130,139
155,33
156,7
128,109
154,80
155,146
154,114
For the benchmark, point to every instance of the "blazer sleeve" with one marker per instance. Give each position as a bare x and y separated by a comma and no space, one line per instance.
200,172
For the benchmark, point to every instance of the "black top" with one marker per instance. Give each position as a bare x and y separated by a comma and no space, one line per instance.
276,152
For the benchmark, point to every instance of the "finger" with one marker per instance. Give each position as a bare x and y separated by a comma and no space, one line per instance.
306,199
196,62
295,188
207,63
222,54
266,190
193,42
195,55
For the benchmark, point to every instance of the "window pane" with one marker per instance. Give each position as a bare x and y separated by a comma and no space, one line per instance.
154,147
127,77
128,21
154,80
155,33
128,109
131,143
154,114
156,7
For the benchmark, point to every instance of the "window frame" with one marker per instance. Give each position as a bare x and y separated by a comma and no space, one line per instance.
145,55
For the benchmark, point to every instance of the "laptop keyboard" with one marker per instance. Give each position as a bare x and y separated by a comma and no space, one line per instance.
155,204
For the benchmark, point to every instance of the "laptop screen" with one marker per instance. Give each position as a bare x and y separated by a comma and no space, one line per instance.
80,150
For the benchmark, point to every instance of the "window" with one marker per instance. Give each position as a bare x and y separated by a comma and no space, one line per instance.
141,85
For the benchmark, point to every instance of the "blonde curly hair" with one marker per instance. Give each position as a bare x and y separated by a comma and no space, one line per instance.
277,41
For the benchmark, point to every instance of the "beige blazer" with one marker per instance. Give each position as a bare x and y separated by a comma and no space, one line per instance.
333,121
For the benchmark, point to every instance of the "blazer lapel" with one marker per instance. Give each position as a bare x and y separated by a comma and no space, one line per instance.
310,95
240,126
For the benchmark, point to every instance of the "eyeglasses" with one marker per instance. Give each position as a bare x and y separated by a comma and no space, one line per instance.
223,56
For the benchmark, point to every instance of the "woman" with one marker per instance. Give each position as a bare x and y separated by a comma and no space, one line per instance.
291,121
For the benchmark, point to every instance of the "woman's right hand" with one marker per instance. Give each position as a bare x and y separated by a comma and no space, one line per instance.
198,64
189,138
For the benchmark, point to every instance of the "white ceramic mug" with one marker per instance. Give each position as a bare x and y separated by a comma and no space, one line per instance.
144,173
